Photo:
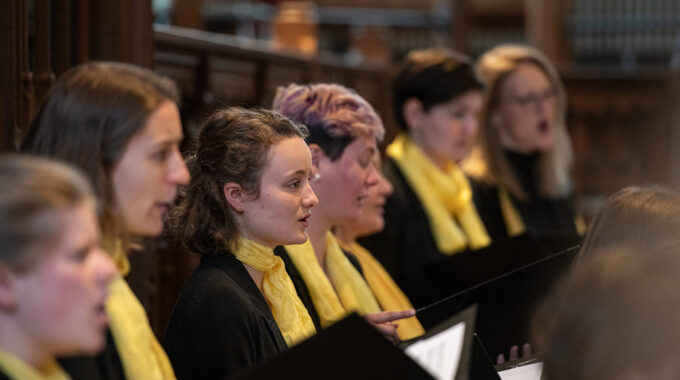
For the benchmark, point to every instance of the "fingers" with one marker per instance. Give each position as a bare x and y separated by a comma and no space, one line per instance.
526,350
389,330
500,359
389,316
514,351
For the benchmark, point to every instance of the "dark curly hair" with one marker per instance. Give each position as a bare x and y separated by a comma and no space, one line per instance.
232,146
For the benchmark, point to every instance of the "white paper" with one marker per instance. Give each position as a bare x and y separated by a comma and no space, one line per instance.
440,354
526,372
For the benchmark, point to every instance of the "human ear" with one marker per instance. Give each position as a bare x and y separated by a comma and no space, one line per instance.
7,287
233,193
317,156
413,111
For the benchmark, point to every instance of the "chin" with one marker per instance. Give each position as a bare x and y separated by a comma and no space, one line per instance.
299,239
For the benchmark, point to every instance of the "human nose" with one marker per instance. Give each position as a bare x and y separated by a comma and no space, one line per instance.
178,173
371,176
309,198
385,185
104,268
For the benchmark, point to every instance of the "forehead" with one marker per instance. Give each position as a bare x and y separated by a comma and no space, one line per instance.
287,156
526,77
162,125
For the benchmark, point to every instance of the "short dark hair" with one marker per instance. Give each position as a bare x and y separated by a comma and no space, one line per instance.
432,76
232,146
89,116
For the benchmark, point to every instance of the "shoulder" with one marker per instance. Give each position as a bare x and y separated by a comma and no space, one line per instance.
216,287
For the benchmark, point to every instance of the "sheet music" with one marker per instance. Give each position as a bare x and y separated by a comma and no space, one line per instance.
440,354
526,372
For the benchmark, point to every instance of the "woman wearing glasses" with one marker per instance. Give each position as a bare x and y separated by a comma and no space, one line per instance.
524,148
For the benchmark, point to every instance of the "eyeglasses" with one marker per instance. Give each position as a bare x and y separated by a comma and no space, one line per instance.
526,101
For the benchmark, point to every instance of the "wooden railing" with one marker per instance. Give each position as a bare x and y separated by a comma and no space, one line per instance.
216,69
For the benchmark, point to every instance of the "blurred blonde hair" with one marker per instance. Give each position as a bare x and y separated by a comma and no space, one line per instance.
488,161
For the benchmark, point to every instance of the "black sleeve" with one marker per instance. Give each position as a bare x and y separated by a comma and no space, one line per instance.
210,337
485,198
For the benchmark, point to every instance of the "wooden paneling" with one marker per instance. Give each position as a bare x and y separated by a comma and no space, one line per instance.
10,72
620,125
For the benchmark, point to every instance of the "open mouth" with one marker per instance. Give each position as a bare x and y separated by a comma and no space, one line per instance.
163,207
305,220
543,127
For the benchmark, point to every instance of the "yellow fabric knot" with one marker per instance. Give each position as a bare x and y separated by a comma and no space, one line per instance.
446,197
344,290
289,312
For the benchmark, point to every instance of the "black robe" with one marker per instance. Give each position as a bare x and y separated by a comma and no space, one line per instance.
406,244
542,216
221,323
104,366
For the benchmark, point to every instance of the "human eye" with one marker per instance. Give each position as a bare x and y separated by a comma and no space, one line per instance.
295,184
79,256
161,155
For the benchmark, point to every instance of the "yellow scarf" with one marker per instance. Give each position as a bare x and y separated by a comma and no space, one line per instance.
389,296
17,369
289,312
513,220
443,195
348,292
140,353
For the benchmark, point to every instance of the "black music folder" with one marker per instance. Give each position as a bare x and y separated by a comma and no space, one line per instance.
349,349
506,280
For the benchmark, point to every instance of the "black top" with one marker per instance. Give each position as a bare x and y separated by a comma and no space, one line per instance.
542,216
406,244
221,322
105,366
301,287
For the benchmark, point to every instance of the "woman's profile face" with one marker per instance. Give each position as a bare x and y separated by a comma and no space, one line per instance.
60,301
146,177
446,132
372,218
525,116
279,215
343,184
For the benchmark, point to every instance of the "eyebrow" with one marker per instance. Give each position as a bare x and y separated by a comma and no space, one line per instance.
297,172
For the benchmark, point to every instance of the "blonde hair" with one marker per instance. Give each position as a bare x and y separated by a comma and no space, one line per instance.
34,193
488,161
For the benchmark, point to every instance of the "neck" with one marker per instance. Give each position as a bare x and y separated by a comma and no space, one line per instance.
345,235
441,162
318,227
14,341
